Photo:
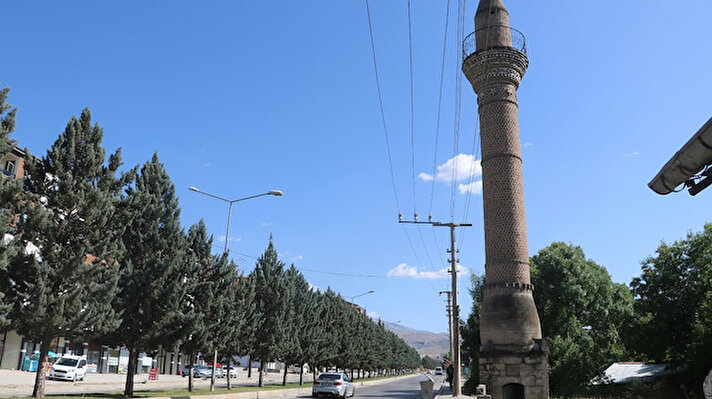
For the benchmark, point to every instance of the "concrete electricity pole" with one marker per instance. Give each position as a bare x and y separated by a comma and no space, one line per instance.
457,371
448,309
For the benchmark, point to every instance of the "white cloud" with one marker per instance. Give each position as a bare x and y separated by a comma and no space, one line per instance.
313,287
631,154
528,144
425,177
298,257
232,239
459,168
475,187
373,314
403,270
266,224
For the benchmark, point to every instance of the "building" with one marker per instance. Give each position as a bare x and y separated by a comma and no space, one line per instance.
13,163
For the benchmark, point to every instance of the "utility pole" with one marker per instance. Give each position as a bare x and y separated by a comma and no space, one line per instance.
457,371
448,308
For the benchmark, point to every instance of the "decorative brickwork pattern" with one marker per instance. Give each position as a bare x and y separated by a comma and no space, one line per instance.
513,355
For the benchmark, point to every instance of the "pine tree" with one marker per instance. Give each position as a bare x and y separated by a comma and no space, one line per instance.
295,324
152,286
9,189
241,340
241,319
65,270
222,277
271,298
7,122
198,261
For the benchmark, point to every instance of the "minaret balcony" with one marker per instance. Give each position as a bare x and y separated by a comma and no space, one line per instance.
493,37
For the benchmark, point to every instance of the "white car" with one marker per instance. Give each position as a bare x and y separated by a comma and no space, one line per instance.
438,371
68,367
333,384
233,371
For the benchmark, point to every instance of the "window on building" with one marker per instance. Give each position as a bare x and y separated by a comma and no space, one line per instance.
9,169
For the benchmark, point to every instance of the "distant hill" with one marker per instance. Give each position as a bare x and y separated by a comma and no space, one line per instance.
425,342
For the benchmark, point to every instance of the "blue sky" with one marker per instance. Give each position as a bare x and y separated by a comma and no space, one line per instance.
241,97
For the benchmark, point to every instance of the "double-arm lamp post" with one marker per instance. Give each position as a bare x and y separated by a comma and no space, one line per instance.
276,193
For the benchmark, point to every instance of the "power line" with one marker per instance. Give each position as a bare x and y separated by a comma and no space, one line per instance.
412,104
458,104
342,274
380,104
440,103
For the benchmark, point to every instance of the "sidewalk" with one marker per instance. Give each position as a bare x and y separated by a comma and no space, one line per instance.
21,383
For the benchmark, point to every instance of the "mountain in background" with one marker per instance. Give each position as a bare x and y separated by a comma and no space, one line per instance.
425,342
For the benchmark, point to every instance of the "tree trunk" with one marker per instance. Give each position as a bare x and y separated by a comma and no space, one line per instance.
130,372
284,377
301,374
190,372
261,382
39,389
229,368
215,366
249,366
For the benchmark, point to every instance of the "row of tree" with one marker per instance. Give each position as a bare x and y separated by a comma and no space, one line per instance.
94,253
589,322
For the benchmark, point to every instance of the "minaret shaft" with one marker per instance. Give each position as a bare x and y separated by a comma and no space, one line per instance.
513,361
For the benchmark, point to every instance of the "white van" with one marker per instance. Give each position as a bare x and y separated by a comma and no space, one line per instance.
70,368
438,371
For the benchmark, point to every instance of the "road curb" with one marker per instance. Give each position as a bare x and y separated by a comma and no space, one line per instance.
280,393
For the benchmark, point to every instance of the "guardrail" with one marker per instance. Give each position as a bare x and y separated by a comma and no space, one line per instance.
516,38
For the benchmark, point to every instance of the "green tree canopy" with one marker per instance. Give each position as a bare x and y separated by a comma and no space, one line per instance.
272,298
9,191
673,307
7,121
152,286
65,270
582,314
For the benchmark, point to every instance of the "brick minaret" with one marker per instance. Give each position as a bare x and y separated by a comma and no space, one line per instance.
513,361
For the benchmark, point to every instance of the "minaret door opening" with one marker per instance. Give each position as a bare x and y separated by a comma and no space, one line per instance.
513,391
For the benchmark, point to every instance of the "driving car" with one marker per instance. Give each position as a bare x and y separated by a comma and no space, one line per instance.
233,371
69,367
438,371
333,384
199,371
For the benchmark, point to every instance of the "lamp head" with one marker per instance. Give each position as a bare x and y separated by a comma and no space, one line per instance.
193,188
276,193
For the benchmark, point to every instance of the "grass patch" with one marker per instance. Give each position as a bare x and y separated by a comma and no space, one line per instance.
171,392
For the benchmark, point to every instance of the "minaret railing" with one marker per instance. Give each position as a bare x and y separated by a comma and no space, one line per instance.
469,46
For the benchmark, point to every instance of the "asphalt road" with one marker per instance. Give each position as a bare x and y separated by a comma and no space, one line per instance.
405,388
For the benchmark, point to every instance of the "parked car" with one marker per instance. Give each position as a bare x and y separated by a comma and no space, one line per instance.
334,384
199,371
68,367
438,371
233,371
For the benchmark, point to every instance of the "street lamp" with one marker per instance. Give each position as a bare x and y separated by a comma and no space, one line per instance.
276,193
359,295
